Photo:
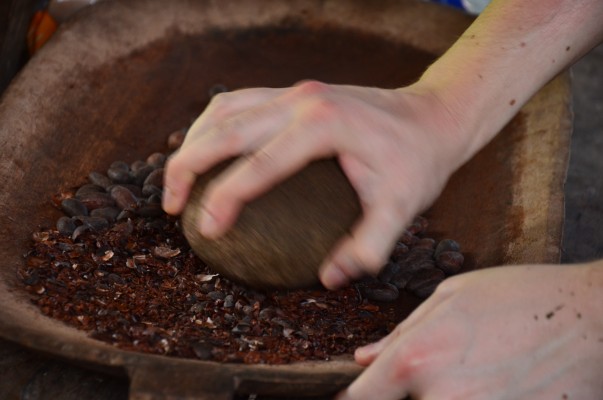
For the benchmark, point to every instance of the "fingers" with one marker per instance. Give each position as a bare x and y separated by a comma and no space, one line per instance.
385,379
367,354
401,360
232,136
366,249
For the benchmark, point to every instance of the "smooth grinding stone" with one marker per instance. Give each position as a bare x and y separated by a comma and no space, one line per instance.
281,238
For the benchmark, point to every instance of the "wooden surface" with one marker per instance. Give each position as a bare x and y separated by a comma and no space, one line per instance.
25,375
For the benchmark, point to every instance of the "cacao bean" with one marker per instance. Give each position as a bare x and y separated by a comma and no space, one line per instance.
149,190
88,188
155,178
388,271
176,139
378,291
425,276
140,175
66,226
73,207
99,179
108,213
446,245
156,159
136,165
119,175
124,198
94,200
400,279
450,261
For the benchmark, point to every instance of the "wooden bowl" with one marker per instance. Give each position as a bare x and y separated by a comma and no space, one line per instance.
113,83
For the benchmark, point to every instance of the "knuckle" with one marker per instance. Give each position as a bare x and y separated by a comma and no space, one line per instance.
219,105
412,360
311,87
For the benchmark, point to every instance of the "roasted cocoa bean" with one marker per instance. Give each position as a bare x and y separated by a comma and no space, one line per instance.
94,223
418,226
136,165
413,260
125,215
228,301
94,200
401,279
124,198
216,295
136,190
241,327
120,165
154,199
155,178
66,226
156,159
108,213
73,207
450,262
141,174
425,276
99,179
79,231
378,291
399,250
89,188
408,238
388,271
426,243
176,139
149,190
119,175
446,245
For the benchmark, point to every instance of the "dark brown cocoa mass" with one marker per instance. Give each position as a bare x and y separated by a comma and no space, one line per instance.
281,238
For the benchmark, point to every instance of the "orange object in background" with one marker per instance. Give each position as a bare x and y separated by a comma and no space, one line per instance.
40,30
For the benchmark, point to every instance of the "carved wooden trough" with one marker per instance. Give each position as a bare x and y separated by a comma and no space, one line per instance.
121,76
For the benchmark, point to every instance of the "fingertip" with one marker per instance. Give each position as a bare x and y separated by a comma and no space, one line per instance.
177,184
170,202
366,354
333,277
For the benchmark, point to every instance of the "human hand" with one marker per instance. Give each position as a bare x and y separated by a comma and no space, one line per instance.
523,332
397,148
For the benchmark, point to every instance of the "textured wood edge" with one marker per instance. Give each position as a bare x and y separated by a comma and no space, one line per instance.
539,194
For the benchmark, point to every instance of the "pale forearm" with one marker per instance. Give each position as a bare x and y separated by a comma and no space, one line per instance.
507,55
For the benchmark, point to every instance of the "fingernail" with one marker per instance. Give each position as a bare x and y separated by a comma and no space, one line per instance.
207,224
333,277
